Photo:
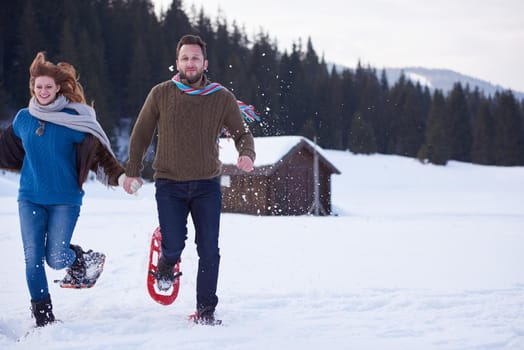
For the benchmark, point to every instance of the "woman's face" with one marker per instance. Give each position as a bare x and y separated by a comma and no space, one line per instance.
45,89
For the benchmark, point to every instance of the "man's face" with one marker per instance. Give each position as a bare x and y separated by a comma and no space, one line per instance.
190,63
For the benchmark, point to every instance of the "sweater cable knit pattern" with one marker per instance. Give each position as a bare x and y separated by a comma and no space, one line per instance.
187,127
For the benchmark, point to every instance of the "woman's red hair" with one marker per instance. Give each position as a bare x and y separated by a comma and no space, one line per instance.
62,73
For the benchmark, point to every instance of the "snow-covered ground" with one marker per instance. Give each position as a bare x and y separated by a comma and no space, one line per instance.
418,257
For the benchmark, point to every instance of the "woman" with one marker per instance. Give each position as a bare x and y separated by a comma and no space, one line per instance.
54,143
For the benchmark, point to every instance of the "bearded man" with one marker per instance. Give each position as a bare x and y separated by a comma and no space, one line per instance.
189,113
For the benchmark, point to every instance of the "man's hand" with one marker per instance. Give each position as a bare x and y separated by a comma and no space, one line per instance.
245,163
130,184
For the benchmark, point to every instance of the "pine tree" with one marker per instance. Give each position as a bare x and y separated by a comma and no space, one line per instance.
174,25
236,71
3,93
460,125
335,117
312,77
509,139
29,42
436,147
264,79
362,136
482,151
348,106
204,29
295,91
139,78
474,99
407,112
3,105
68,50
281,116
9,19
382,124
323,111
369,104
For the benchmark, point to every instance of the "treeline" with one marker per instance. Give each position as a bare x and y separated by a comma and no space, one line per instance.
121,49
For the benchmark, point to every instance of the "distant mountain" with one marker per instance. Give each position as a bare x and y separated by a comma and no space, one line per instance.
443,79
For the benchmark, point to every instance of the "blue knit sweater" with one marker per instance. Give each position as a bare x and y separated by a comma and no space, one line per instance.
48,174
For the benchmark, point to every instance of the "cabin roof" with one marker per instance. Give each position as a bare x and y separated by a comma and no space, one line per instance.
270,150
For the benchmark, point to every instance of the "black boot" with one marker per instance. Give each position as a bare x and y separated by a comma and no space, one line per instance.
78,269
43,311
85,270
165,276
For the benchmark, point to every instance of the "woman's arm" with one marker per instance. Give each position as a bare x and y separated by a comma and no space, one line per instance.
12,151
92,155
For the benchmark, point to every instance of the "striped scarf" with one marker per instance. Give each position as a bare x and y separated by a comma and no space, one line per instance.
248,111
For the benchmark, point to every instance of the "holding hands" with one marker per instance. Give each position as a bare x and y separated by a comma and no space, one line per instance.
130,184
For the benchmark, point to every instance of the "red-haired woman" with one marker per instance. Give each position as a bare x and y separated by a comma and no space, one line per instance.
54,143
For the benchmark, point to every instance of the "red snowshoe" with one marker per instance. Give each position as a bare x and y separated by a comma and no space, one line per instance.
164,297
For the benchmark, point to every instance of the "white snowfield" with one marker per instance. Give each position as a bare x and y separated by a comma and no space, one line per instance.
419,257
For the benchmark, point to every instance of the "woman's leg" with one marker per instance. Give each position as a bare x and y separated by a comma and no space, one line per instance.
61,224
33,225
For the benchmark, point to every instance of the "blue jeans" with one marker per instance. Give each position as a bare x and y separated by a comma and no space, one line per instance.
46,234
203,199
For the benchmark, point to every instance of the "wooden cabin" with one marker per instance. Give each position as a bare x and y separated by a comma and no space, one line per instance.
282,182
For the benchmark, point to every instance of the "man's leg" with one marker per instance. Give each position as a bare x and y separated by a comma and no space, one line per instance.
173,208
205,211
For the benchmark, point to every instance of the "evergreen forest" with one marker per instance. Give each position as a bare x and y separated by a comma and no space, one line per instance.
121,49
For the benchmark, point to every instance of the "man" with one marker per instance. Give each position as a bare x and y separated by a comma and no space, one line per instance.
189,114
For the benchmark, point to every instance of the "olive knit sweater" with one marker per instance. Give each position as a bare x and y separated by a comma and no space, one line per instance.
188,127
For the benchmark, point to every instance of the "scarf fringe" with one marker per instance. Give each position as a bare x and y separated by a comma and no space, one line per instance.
248,111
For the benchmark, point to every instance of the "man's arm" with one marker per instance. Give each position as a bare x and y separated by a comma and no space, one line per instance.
142,135
239,130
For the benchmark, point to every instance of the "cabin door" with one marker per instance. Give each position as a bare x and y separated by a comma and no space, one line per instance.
298,192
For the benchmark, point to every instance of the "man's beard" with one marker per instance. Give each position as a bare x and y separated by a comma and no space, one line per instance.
194,80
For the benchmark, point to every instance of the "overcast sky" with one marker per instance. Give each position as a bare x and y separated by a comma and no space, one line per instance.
480,38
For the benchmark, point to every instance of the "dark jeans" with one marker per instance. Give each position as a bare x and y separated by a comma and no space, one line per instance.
203,199
46,233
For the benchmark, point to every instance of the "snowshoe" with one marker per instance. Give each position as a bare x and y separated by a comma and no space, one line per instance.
165,275
205,319
85,271
163,281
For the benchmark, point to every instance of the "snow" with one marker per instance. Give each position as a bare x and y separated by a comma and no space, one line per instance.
419,78
417,257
